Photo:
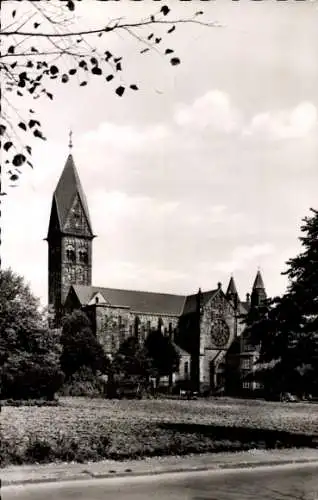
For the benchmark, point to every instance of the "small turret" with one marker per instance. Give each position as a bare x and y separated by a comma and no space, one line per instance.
231,293
258,296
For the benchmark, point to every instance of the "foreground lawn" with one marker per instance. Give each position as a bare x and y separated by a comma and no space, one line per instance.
91,429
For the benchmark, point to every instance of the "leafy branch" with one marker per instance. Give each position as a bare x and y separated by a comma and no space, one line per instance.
40,45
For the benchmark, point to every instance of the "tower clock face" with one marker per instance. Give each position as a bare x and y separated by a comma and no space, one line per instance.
220,332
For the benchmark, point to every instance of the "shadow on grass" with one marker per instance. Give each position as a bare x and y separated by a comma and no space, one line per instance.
247,437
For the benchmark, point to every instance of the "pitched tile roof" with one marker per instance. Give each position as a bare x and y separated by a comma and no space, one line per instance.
138,301
69,185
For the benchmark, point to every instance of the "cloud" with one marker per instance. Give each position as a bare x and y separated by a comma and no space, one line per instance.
125,137
243,255
297,122
213,110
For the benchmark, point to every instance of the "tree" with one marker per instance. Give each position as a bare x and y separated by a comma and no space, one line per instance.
288,329
42,42
80,347
164,357
29,351
131,360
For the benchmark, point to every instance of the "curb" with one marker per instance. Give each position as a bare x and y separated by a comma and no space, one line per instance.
86,475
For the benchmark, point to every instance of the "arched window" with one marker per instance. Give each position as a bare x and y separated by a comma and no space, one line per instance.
83,256
70,253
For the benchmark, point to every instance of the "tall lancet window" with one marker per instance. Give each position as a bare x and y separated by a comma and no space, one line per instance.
83,255
70,253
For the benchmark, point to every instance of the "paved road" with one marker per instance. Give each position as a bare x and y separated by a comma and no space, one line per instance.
289,482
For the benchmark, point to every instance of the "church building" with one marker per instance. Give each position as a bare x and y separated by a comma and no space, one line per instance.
203,326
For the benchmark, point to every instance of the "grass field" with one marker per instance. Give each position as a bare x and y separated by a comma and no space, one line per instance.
90,429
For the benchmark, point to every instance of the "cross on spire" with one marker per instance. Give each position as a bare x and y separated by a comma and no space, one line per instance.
70,144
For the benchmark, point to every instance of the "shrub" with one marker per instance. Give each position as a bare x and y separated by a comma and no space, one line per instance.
83,383
27,376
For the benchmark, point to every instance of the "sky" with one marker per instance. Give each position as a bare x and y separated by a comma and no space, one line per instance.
205,172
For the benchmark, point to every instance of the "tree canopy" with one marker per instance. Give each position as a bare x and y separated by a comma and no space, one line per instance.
42,42
80,347
29,350
287,329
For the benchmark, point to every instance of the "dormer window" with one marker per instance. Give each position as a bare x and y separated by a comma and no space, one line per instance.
76,216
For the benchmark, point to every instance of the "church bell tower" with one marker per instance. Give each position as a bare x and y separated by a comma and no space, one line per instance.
69,239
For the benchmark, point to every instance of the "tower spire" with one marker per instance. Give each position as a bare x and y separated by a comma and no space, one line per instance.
70,143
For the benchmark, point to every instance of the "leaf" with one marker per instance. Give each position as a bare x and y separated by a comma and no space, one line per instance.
175,61
120,90
82,64
199,13
82,84
97,71
109,78
3,128
54,69
13,65
134,87
7,145
22,125
118,66
94,60
169,51
50,96
11,49
70,5
36,25
33,49
117,59
14,13
18,160
150,36
29,149
158,40
34,122
72,71
29,64
31,110
152,19
38,133
165,10
144,50
171,29
108,55
19,93
64,78
14,177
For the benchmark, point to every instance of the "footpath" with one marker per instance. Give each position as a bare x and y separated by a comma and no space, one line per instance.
155,465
